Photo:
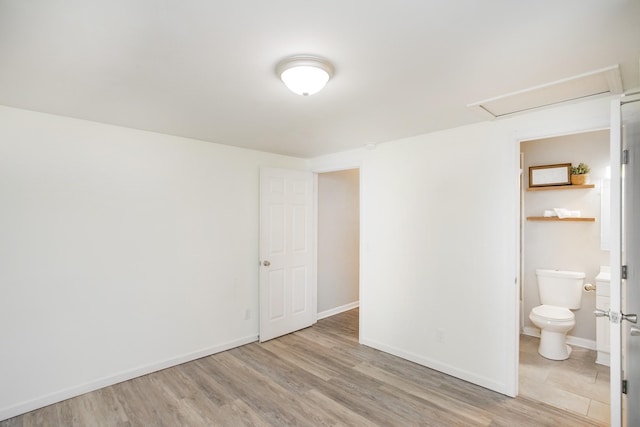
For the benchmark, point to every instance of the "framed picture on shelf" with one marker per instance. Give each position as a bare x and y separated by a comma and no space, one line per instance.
546,175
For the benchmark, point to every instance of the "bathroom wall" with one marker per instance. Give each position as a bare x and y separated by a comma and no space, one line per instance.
565,245
338,241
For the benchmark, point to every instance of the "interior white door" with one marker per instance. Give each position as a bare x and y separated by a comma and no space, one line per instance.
625,263
287,279
630,114
615,262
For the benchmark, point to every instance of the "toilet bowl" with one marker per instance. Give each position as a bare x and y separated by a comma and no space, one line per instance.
560,292
554,323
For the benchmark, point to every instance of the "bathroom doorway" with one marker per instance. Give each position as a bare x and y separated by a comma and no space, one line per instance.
578,384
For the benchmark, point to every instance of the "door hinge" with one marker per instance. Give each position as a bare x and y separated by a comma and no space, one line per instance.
624,386
625,157
623,272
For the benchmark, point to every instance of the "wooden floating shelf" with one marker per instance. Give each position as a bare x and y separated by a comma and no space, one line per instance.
561,187
555,218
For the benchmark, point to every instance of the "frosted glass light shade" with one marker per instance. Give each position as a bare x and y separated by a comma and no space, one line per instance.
305,80
304,75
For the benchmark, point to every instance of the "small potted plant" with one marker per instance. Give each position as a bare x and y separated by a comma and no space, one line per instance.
579,174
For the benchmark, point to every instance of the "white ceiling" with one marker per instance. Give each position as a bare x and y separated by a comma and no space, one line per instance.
205,68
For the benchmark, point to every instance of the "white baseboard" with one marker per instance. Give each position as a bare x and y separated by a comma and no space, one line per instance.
439,366
99,383
603,358
577,341
338,310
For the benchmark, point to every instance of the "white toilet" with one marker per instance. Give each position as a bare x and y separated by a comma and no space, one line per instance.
560,292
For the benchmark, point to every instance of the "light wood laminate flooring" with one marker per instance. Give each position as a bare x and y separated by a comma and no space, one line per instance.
319,376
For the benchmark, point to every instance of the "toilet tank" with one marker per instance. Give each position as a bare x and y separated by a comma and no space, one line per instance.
560,288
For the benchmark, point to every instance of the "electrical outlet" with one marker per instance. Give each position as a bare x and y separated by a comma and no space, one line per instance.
247,314
440,336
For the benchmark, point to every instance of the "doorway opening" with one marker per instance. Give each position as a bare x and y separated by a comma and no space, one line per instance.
548,242
338,241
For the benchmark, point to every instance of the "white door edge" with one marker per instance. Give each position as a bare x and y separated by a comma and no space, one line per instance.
615,262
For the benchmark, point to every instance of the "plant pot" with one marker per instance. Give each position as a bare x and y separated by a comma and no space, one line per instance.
579,179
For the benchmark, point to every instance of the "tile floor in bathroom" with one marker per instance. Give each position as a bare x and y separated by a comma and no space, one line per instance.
577,384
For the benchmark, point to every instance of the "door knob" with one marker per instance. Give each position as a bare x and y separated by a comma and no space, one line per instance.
266,263
633,318
635,331
601,313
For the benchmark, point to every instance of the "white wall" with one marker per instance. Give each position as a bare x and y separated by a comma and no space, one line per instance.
338,240
121,252
440,265
440,215
565,246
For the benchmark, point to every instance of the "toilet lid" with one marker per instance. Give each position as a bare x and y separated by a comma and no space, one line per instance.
553,312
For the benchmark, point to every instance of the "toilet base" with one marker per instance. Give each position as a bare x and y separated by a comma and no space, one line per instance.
553,345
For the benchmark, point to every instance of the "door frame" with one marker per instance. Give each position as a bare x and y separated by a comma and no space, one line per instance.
342,167
517,139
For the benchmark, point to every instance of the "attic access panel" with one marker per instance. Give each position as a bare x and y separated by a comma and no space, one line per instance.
604,81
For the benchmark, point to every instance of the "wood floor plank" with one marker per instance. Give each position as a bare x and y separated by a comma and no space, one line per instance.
13,422
211,391
271,401
49,415
314,377
340,413
278,370
395,384
239,414
294,356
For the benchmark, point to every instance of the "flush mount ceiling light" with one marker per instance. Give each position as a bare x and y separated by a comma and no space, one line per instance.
304,74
